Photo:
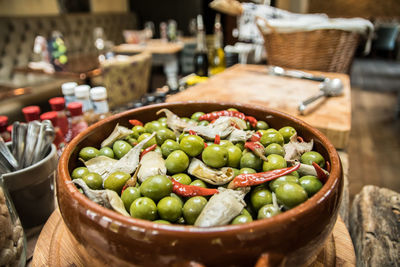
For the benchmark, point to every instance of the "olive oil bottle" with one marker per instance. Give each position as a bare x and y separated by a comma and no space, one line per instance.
200,56
217,57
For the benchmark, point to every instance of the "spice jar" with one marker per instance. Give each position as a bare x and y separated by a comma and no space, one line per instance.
12,238
31,113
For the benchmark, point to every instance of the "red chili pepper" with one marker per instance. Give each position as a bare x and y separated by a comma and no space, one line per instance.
191,132
300,139
257,148
252,120
213,121
216,114
328,166
217,139
147,150
256,137
250,179
320,173
191,190
205,145
136,122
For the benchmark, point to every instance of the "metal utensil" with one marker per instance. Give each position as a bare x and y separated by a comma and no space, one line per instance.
330,87
279,71
20,142
7,156
31,140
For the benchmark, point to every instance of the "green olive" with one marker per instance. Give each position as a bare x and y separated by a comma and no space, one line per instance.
156,187
183,135
164,134
225,143
247,170
260,196
287,132
129,195
203,123
161,221
116,180
177,162
274,149
151,142
312,156
274,184
236,172
234,156
144,208
169,209
240,145
199,182
270,137
291,194
88,153
192,145
267,211
262,125
311,184
242,219
295,173
182,178
107,151
192,208
93,180
120,148
131,140
249,160
79,172
162,119
137,131
274,162
195,116
153,126
215,156
168,146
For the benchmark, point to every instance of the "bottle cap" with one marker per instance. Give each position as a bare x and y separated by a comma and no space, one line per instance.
51,116
75,108
98,93
3,121
31,113
57,103
9,128
68,88
82,91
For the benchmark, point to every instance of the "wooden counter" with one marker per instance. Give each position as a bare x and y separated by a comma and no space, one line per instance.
251,84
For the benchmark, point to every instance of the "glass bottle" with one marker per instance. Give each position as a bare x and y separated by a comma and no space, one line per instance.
68,90
13,242
3,129
217,58
82,94
78,123
58,104
31,113
99,98
200,56
53,117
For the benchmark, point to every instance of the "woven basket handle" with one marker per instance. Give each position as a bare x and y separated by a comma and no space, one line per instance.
266,23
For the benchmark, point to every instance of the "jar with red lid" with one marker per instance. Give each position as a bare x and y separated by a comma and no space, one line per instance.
78,123
3,129
31,113
58,104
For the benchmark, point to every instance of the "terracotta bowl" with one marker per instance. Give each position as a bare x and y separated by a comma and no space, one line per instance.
294,236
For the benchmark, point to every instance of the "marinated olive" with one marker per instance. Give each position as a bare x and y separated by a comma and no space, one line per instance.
137,131
203,123
260,196
274,184
120,148
152,126
177,162
129,195
249,160
312,156
287,132
195,116
116,180
156,187
192,145
274,162
162,221
311,184
183,178
151,142
199,182
270,137
291,194
93,180
267,211
274,149
262,125
144,208
225,143
169,209
242,219
79,172
192,208
107,151
168,146
240,145
164,134
88,152
247,170
234,156
215,156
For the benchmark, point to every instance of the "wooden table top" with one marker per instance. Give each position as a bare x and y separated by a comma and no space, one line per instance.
251,84
154,46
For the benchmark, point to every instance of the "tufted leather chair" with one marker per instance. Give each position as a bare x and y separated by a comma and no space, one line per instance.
17,36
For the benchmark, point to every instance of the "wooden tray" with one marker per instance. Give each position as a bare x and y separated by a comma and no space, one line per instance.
57,247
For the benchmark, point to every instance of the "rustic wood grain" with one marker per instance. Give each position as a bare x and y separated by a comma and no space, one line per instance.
57,247
252,85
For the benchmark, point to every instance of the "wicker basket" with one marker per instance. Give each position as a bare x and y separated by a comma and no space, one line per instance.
324,50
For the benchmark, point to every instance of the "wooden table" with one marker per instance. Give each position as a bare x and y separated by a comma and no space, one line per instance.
164,53
251,84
